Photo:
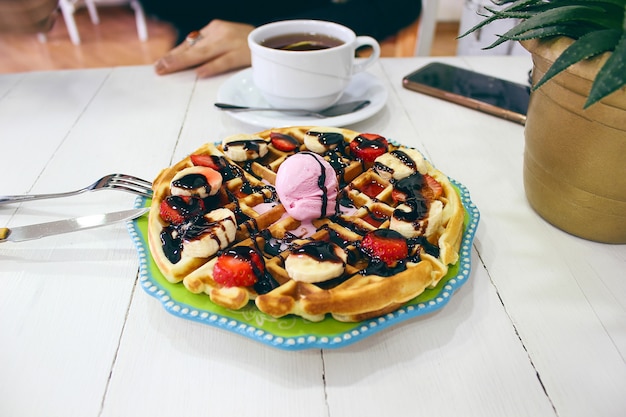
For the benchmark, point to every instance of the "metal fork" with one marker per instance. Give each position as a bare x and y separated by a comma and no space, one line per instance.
121,182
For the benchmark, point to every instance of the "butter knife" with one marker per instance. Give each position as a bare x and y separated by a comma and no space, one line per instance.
36,231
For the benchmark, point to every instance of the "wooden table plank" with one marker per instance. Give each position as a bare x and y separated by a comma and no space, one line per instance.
465,359
64,299
170,366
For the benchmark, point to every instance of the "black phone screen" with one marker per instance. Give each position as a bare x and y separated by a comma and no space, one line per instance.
495,91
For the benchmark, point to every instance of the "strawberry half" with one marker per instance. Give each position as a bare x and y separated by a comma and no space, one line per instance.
368,146
398,196
416,185
178,209
385,245
217,163
205,160
408,187
240,266
433,185
283,142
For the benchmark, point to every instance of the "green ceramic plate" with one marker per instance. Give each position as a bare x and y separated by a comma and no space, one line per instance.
292,332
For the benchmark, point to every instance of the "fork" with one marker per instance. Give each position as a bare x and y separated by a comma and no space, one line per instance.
121,182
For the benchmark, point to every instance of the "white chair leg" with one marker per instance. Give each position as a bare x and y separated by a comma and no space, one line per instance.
140,17
426,28
67,8
93,11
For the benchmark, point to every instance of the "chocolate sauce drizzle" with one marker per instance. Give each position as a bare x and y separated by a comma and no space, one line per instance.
411,187
252,145
185,207
380,268
191,182
402,157
319,250
328,138
228,171
172,243
321,183
173,236
418,208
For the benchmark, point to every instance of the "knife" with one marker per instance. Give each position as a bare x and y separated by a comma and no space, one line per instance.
36,231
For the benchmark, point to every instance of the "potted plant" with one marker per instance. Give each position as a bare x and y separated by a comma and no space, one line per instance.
575,153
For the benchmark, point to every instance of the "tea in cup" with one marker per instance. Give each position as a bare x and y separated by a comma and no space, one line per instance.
306,64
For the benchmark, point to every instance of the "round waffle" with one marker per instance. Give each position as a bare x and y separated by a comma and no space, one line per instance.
367,201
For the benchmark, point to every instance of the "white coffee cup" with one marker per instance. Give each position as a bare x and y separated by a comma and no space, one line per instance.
312,79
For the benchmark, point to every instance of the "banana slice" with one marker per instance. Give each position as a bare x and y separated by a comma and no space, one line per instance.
411,219
435,218
207,234
196,181
323,139
316,261
244,147
400,164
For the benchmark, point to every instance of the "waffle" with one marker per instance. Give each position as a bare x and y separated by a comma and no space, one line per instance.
367,201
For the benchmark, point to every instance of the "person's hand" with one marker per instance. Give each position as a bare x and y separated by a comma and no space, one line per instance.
222,46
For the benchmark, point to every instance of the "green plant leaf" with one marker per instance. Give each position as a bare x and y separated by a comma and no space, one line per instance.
559,3
510,14
573,14
518,4
612,75
572,31
501,2
587,46
619,3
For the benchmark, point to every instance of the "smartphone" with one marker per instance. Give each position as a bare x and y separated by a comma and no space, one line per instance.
492,95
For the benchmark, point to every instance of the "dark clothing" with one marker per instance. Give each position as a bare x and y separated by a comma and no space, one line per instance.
376,18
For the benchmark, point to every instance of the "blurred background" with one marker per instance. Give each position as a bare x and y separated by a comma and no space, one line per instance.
118,33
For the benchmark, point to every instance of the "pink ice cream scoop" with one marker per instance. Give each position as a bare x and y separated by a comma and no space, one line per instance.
307,186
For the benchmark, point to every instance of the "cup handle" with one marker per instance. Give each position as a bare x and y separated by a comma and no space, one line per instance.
366,41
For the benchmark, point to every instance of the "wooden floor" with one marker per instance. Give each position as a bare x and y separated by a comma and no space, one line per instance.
114,42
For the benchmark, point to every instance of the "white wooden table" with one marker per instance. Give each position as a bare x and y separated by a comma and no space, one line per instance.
538,330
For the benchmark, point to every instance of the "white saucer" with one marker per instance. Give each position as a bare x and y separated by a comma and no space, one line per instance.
240,90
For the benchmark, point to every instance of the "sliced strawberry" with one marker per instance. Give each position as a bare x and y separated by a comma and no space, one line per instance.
206,160
436,189
178,209
218,163
283,142
239,266
385,245
398,196
368,146
408,187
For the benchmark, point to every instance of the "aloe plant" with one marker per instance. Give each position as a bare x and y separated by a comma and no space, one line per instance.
597,26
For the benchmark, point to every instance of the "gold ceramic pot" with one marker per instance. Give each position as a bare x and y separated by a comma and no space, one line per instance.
575,159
